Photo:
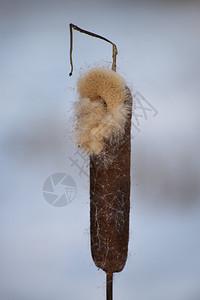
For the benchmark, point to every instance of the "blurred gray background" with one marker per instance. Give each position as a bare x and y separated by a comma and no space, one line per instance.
45,251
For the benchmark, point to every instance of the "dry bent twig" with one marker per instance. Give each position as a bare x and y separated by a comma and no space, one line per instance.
115,52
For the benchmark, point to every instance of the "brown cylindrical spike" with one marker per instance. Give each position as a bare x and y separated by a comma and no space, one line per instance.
110,202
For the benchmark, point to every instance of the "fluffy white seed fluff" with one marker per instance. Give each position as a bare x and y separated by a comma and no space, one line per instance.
100,111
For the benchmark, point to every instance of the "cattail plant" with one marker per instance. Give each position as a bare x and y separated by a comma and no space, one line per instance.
103,128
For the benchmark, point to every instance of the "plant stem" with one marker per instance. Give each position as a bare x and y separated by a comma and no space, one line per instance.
109,286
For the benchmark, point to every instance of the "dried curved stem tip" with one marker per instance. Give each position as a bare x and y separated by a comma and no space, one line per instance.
109,286
72,26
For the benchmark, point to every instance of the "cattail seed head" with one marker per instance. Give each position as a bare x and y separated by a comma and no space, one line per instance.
103,128
101,110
